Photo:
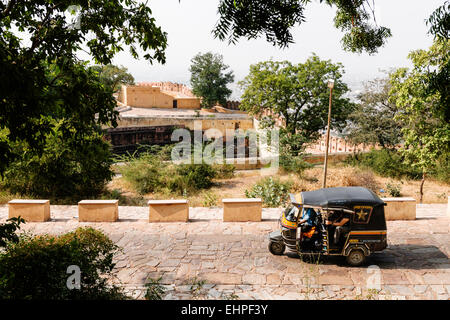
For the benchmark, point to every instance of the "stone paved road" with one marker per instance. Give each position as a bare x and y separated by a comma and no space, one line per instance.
231,260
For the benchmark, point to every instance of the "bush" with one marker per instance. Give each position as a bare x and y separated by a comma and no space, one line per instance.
273,192
293,164
393,189
148,173
209,199
386,163
75,169
442,170
8,231
36,267
191,178
164,153
224,171
143,173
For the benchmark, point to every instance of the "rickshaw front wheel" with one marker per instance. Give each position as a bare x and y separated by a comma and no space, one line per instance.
276,248
356,257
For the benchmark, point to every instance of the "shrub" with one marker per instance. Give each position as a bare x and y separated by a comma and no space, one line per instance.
273,192
209,199
386,163
147,173
224,171
442,170
164,153
190,178
76,168
394,189
200,175
36,267
293,164
8,231
143,173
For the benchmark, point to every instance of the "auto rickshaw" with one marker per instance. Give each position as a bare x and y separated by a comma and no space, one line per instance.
364,233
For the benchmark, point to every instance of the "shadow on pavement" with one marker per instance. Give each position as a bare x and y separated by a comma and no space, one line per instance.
401,256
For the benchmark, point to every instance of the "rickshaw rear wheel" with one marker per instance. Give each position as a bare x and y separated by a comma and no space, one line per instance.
276,248
356,257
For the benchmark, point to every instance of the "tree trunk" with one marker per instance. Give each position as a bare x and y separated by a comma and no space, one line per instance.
421,187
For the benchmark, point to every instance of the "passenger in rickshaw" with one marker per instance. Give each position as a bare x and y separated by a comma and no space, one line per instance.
340,220
308,222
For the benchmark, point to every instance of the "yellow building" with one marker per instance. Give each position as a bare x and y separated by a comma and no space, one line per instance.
159,95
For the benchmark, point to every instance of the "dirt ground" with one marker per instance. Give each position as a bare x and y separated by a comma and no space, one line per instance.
434,191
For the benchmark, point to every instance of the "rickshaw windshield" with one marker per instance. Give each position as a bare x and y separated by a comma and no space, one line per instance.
291,213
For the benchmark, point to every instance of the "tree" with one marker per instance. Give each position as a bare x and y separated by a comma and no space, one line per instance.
67,169
275,18
52,105
113,76
299,95
438,79
373,119
209,79
43,80
425,129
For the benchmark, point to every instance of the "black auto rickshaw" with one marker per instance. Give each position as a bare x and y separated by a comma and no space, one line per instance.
364,230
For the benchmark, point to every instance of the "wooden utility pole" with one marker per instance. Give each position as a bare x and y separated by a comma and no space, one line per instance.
324,183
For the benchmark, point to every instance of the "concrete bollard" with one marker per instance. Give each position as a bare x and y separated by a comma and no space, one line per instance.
98,210
168,211
241,210
30,210
401,208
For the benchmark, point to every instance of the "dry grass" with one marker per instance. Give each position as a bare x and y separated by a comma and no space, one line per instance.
338,176
343,176
5,196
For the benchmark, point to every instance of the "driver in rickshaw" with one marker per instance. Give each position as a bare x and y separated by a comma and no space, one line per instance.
308,222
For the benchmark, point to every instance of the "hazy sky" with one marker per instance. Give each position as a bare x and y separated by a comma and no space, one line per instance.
190,22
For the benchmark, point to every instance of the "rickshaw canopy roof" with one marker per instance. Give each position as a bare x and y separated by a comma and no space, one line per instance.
341,197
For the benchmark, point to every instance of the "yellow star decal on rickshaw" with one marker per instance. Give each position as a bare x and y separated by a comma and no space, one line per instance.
361,214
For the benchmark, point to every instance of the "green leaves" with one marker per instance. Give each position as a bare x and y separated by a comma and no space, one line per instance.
373,119
273,192
275,18
353,17
425,129
113,76
439,22
36,267
298,95
209,79
68,167
8,231
43,80
250,19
